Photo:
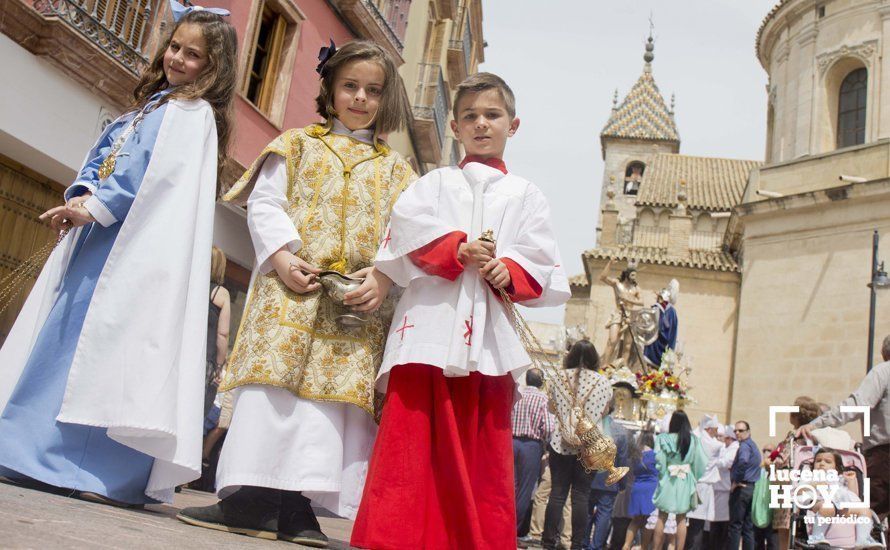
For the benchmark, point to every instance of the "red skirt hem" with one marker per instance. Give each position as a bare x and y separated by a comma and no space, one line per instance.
441,473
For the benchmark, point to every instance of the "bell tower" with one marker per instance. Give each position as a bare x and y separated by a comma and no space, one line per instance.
639,128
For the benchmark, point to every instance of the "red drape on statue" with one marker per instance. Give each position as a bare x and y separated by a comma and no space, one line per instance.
441,475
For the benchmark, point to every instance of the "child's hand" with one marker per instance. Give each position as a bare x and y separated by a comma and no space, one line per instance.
495,272
475,254
851,481
71,215
370,295
296,273
80,199
361,273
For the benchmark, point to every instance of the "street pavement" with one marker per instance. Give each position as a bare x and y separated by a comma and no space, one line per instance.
33,519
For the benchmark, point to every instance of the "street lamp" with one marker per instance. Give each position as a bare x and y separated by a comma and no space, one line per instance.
879,279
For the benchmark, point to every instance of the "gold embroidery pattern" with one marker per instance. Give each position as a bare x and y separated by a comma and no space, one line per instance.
290,340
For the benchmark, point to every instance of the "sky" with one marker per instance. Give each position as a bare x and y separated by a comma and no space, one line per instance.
565,58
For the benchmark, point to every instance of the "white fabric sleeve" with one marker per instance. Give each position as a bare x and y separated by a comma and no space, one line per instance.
536,251
414,223
270,226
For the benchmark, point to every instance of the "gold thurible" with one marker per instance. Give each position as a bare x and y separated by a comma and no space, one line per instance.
597,452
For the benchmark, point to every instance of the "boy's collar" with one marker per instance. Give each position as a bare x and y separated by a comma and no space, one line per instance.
496,163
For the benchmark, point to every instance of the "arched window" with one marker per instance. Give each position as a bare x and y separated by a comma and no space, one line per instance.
632,177
851,109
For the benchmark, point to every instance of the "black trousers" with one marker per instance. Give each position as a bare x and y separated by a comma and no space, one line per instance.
619,531
741,526
567,475
696,536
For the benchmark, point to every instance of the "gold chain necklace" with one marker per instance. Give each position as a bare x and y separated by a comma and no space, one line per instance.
110,161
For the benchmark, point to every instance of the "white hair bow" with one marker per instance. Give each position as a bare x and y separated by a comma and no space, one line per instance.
179,11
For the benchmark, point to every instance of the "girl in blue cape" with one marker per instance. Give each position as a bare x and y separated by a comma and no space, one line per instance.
102,375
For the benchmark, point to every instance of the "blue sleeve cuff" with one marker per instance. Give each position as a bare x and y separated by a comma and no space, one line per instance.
99,211
78,188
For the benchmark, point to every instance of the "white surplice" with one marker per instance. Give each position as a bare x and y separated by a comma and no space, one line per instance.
138,369
705,486
277,439
460,326
722,487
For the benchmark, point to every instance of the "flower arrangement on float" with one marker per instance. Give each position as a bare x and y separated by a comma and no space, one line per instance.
666,388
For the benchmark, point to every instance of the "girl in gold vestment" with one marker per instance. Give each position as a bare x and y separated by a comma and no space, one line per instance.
318,198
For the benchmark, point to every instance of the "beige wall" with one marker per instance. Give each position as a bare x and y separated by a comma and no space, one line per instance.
803,315
807,57
618,154
706,311
870,161
577,308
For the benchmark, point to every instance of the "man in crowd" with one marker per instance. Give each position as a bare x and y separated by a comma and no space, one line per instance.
532,426
874,393
744,474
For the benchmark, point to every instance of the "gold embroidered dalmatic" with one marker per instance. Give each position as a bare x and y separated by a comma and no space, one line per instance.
340,193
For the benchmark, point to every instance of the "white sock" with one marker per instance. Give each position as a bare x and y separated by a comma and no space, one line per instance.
863,531
819,529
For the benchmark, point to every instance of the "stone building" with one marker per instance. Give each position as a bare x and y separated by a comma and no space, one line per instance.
443,44
668,212
773,259
804,236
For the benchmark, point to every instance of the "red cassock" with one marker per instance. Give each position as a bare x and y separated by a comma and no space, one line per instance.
441,474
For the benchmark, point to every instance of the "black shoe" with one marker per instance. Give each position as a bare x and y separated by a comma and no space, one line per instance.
297,522
96,498
30,483
251,511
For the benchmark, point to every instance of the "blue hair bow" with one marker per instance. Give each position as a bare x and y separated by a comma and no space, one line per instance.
179,11
324,55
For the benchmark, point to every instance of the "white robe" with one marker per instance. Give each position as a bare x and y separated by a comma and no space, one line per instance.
277,439
723,486
705,485
460,326
138,369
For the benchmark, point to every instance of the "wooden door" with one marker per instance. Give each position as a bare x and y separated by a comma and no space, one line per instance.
24,195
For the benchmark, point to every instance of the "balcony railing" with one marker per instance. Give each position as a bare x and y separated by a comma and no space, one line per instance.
369,20
119,27
430,112
462,40
384,24
430,101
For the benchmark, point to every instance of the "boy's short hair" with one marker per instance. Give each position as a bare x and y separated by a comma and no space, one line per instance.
480,82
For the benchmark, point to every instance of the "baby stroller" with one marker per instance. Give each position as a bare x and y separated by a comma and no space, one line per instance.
838,535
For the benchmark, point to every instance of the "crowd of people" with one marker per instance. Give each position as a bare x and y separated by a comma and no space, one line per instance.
702,488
